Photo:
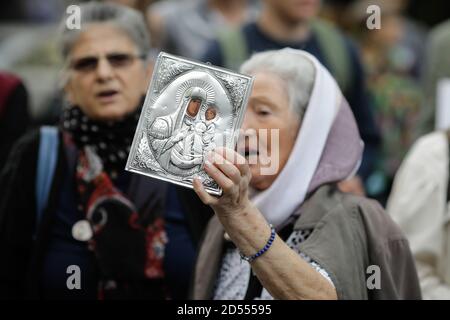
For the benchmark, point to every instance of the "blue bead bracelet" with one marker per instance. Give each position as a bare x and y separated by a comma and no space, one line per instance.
263,250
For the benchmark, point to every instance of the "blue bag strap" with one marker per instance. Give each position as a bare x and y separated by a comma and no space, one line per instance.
47,158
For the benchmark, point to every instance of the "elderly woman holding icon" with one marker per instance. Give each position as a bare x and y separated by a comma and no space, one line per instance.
300,237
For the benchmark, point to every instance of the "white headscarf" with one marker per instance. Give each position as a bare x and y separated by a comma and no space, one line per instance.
328,148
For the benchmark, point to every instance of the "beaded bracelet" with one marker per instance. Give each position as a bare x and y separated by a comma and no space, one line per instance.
263,250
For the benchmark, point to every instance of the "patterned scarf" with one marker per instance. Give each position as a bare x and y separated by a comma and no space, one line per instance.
110,140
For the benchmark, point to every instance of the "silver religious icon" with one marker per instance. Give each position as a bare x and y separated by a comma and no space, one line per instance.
190,109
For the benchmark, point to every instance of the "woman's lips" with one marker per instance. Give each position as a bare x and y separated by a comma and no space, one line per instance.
107,96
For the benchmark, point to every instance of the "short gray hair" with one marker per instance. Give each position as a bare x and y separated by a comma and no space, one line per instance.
296,70
126,19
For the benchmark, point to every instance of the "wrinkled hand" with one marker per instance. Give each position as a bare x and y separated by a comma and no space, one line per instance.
232,173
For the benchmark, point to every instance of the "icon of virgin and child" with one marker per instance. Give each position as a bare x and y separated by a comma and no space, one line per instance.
191,116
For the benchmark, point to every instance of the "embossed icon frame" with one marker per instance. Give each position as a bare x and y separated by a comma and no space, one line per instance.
162,123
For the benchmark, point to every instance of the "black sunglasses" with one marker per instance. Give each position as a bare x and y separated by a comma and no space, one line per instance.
116,60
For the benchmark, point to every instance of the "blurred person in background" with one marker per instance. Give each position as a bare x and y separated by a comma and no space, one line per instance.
67,200
336,12
408,53
139,5
41,11
14,113
392,63
419,203
28,49
437,68
420,195
300,236
186,27
286,23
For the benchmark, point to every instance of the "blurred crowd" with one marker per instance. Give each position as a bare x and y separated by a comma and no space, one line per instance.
396,81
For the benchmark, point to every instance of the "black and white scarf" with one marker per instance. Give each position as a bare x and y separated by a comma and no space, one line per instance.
110,140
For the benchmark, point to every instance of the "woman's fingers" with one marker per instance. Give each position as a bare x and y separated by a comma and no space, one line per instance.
227,167
235,158
204,196
222,180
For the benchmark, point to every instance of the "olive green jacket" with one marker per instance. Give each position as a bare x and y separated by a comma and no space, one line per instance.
350,234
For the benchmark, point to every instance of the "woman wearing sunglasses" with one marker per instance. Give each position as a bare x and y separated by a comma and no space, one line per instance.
73,223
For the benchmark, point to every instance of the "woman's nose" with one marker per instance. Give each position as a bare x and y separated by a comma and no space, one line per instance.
104,70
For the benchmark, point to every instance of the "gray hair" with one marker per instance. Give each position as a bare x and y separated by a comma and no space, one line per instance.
297,71
126,19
